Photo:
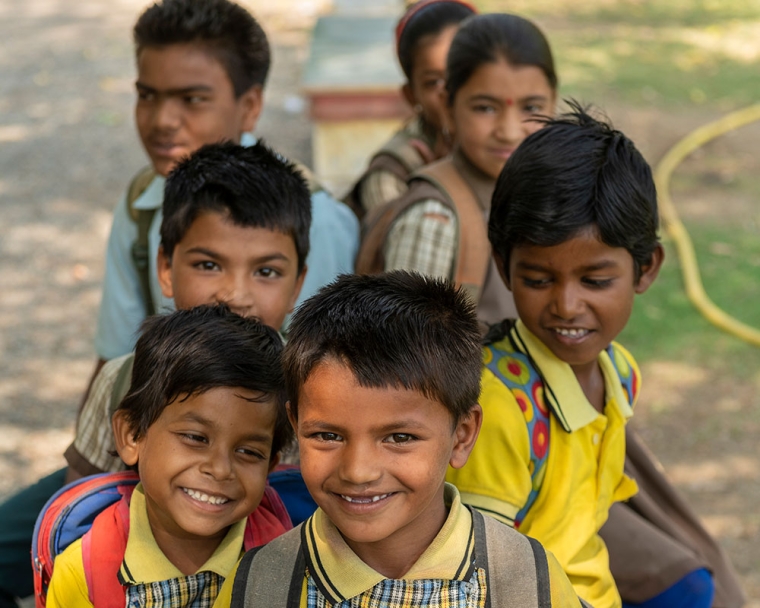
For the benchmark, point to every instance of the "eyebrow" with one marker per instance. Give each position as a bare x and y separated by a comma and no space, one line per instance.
196,88
216,256
195,417
603,265
494,99
395,426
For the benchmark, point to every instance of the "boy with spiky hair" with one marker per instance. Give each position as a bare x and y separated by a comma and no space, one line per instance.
383,376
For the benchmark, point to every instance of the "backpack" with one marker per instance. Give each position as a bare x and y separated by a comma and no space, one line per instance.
273,575
96,509
506,356
474,250
143,218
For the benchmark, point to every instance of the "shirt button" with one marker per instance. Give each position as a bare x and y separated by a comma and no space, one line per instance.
595,439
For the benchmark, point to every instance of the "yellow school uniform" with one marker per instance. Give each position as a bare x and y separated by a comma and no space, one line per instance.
583,474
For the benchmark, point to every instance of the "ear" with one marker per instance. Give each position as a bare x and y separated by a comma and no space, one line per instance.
650,271
126,445
297,289
274,461
465,435
408,94
251,103
501,267
164,271
292,418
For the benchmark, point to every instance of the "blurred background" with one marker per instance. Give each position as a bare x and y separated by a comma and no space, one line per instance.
657,68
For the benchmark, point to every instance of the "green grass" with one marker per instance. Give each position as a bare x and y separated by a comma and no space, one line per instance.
665,325
652,52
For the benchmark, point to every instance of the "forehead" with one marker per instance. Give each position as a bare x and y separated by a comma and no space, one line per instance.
580,252
500,79
228,409
332,393
215,231
180,66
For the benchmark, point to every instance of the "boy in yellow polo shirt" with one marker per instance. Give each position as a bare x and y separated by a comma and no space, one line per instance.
383,376
573,228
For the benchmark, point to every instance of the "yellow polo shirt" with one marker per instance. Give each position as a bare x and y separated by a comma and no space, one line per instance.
584,471
143,561
337,574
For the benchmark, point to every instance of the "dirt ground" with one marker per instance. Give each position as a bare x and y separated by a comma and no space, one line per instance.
67,150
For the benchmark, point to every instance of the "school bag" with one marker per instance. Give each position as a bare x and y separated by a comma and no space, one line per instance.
143,218
273,575
506,356
474,250
96,509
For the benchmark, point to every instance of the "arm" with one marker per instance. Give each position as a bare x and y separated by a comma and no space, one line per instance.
334,242
68,586
379,187
122,308
496,478
423,238
89,453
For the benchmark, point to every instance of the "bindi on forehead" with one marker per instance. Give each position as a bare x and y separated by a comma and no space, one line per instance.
509,101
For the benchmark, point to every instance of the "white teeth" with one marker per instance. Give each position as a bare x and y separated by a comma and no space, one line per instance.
201,497
365,500
571,333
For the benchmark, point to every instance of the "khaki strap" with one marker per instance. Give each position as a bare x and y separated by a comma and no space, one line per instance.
474,250
121,385
143,218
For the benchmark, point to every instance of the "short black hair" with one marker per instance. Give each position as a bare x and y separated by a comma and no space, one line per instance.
254,186
227,30
574,174
191,351
489,38
427,20
394,330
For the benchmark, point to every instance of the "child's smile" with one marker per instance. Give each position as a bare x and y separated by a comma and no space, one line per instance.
374,459
576,297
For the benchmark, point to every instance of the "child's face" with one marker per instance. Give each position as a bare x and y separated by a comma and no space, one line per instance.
252,270
203,464
492,112
185,99
428,79
375,459
576,297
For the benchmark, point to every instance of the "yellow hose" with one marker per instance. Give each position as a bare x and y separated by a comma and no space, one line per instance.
695,291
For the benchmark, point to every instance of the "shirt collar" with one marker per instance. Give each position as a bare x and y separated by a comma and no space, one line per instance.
340,574
561,388
153,197
144,562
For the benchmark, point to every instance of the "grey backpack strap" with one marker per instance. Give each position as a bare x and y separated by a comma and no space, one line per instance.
516,574
271,575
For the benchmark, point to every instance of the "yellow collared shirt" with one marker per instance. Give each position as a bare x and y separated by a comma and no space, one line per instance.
144,562
584,471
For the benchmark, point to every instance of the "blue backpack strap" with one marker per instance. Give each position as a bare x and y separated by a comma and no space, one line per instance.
520,376
626,371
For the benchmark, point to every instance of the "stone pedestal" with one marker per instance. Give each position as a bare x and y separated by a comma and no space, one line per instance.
352,81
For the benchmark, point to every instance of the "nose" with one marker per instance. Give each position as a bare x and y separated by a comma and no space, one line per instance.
166,116
217,463
567,302
237,293
359,465
511,128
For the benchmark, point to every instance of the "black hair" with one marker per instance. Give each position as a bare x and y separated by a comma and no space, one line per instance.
429,20
575,174
489,38
399,330
253,185
192,351
224,28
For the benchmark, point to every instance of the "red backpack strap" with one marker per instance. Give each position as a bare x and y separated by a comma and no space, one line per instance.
267,522
103,548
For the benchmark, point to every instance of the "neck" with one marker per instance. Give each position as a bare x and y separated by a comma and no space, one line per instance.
481,184
591,379
188,554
